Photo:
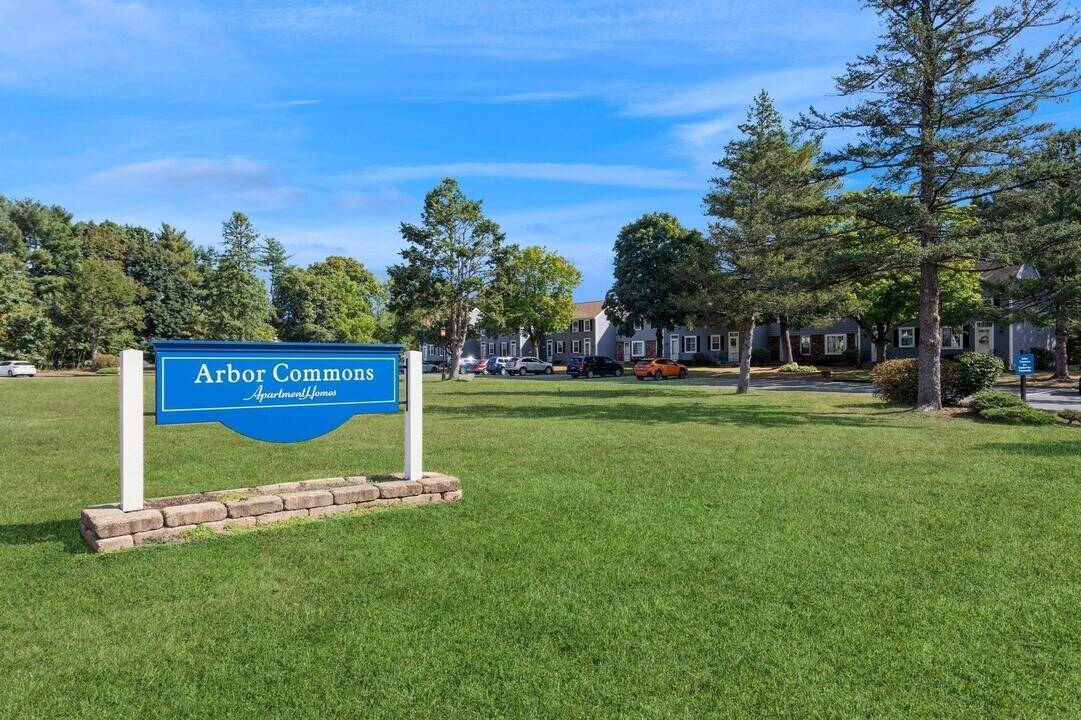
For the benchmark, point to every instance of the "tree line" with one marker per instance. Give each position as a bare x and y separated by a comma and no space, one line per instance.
74,290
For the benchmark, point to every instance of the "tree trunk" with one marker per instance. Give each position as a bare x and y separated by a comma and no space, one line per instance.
786,341
929,398
536,339
95,344
1062,362
881,341
745,335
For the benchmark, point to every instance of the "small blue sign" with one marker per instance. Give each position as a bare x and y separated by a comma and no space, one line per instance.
278,392
1024,364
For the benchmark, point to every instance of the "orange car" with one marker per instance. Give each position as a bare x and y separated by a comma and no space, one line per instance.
659,369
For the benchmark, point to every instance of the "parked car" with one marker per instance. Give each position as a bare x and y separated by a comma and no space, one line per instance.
498,366
425,366
593,366
467,364
11,368
525,365
482,366
659,369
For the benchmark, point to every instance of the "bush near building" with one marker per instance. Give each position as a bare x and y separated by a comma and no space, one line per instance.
897,380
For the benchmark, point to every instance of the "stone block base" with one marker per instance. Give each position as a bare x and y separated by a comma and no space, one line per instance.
178,519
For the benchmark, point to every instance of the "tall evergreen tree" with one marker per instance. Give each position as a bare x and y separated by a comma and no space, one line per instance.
450,258
1042,222
765,206
944,106
238,307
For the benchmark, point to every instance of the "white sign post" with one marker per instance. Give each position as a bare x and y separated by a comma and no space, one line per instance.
414,428
131,430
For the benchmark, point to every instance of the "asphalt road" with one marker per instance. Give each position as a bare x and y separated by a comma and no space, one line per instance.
1045,399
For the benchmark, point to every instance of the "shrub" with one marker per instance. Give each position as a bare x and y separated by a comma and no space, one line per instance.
1070,416
101,360
973,372
759,356
701,359
990,399
1021,415
896,381
1045,359
109,371
851,356
797,368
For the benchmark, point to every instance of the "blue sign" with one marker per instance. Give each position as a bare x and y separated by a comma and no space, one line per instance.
1024,364
278,392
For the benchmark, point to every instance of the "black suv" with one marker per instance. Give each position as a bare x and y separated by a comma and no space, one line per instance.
593,365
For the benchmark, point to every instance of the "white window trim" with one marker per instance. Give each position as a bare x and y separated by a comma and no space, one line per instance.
952,335
641,344
587,347
844,343
548,349
674,344
587,326
733,336
901,337
801,344
561,347
576,326
687,343
503,348
576,347
714,343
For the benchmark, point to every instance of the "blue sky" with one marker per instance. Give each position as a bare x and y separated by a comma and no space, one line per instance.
327,121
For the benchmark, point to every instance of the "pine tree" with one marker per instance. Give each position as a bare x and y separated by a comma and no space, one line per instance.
766,205
238,307
945,105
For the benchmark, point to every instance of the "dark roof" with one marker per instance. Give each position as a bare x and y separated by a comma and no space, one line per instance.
996,271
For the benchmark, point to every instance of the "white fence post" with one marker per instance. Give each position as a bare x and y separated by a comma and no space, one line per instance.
131,430
414,414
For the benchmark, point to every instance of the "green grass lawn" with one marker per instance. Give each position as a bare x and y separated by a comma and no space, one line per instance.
632,550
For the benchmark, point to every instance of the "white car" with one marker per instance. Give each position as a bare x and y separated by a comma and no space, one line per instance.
426,366
11,368
526,365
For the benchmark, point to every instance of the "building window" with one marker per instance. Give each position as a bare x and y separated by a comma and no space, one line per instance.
576,347
951,339
491,348
835,344
690,343
503,348
714,343
576,326
673,345
587,326
906,337
804,344
638,348
560,347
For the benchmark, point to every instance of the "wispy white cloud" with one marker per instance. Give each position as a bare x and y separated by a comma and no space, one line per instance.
240,178
100,46
633,176
737,91
537,97
291,103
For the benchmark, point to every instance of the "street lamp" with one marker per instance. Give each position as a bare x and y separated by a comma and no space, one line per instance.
443,338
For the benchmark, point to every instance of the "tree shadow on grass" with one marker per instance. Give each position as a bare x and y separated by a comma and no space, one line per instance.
65,532
673,414
1049,448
